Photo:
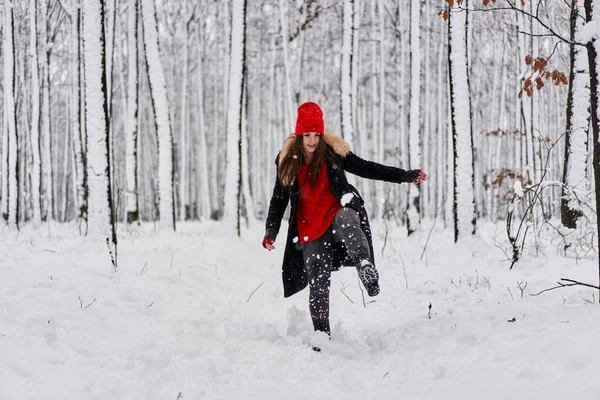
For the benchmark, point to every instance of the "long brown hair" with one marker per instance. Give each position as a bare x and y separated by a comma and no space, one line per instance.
290,165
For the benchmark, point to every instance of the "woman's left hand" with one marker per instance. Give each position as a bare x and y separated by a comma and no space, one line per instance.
421,178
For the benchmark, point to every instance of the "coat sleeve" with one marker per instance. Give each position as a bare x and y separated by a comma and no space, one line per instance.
372,170
277,206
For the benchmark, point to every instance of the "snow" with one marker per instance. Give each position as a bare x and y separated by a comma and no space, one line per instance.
346,199
588,32
200,313
518,188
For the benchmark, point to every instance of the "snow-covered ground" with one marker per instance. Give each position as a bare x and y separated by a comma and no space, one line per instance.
199,314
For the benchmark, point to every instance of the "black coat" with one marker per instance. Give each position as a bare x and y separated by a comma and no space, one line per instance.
294,274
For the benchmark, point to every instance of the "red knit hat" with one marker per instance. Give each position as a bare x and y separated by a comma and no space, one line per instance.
310,119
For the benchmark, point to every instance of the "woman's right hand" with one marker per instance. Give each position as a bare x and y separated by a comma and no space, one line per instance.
268,244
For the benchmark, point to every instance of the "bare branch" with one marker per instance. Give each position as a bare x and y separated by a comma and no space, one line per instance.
258,287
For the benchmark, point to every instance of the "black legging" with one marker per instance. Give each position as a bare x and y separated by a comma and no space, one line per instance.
318,260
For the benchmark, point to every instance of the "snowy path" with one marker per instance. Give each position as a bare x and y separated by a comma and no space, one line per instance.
178,319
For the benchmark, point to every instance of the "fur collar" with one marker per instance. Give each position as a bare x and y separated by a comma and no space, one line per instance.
339,145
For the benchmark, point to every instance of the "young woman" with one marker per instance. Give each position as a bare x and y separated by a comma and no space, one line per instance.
328,226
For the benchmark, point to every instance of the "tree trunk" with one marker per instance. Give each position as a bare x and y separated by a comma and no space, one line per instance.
11,125
101,220
35,116
184,208
160,105
414,145
289,110
463,199
592,11
131,129
347,126
575,184
203,196
234,113
45,147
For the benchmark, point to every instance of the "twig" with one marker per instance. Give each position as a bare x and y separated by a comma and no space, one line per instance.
362,292
511,296
81,302
431,230
571,283
258,287
521,287
343,290
143,269
429,311
476,281
487,280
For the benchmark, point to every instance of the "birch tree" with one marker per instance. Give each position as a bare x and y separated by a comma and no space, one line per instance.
283,11
101,220
35,115
12,149
575,183
414,145
347,127
131,133
234,114
592,17
462,140
160,106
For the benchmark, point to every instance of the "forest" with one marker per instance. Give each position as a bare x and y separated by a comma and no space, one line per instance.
124,111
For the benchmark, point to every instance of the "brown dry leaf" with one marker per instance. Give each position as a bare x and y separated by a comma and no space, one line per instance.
528,59
539,83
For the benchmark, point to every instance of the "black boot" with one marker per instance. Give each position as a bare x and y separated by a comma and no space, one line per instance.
369,277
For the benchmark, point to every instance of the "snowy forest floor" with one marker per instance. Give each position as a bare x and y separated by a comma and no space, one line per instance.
200,314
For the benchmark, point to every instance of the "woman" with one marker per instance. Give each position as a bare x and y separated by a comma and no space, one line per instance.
328,226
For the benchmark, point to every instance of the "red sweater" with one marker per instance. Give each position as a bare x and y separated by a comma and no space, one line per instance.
316,207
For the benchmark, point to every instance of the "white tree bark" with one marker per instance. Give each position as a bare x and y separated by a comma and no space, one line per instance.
77,110
203,196
183,131
576,182
131,128
414,142
99,205
289,110
45,148
234,113
347,130
4,165
464,207
9,99
160,104
35,115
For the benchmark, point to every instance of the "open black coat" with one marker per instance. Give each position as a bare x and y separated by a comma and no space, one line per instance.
293,272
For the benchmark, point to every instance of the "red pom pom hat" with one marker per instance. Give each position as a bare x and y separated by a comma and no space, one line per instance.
310,119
